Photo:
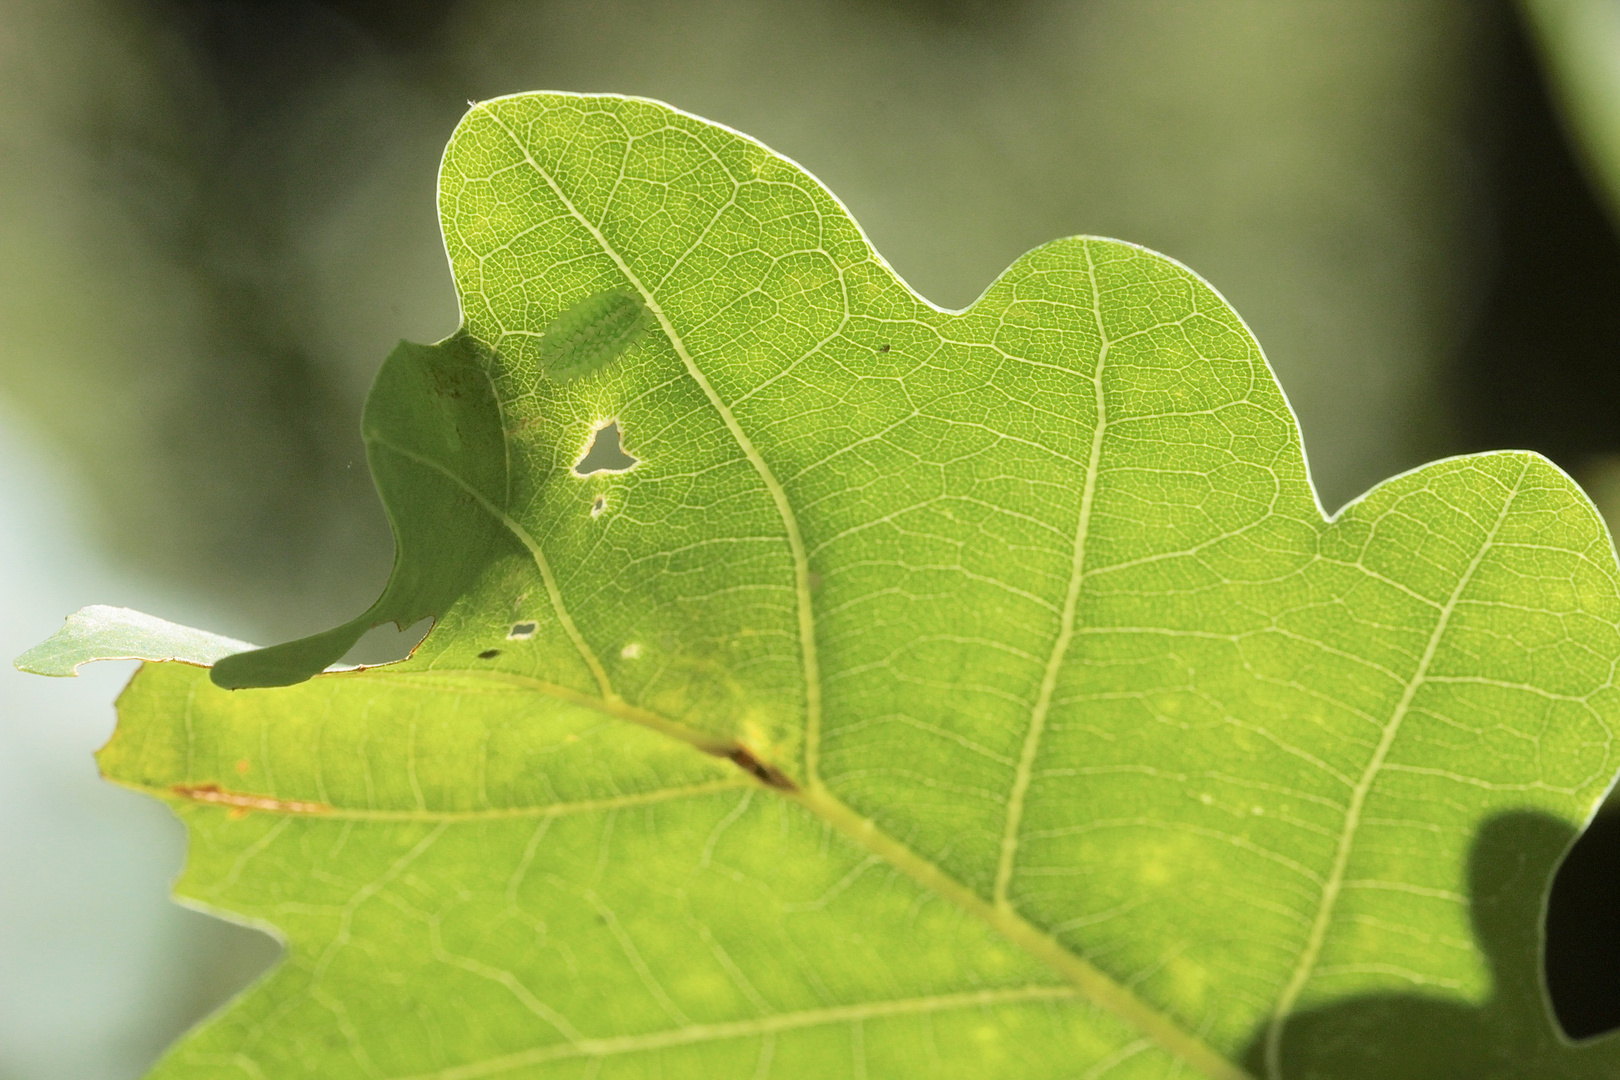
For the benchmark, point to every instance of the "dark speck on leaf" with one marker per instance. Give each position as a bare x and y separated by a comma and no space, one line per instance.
489,654
768,775
884,347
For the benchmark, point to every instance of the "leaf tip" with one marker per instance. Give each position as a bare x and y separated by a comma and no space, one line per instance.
103,632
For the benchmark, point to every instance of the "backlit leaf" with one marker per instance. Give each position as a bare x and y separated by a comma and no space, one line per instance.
960,694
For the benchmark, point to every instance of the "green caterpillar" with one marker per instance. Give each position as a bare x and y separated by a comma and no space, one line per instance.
594,332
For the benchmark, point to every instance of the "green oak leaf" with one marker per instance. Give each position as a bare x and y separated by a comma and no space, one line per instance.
958,694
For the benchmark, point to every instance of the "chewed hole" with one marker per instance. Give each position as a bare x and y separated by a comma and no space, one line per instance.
387,643
605,453
522,631
598,505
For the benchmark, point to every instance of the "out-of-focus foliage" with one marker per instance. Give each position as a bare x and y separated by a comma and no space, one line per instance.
1580,45
99,968
197,287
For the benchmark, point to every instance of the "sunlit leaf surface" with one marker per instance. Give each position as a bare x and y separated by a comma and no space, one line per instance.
947,694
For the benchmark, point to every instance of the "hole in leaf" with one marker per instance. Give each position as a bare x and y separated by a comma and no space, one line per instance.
599,505
522,631
387,643
606,452
1583,936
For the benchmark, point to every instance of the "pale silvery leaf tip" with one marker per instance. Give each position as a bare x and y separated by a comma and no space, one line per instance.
102,632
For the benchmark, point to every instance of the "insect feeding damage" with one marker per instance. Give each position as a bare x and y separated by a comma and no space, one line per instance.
592,334
604,453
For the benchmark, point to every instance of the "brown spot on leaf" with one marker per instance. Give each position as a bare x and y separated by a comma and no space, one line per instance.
241,803
769,775
489,654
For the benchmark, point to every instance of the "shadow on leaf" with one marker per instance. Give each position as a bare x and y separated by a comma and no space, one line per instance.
1410,1037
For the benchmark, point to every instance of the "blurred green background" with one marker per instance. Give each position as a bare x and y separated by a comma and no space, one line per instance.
216,219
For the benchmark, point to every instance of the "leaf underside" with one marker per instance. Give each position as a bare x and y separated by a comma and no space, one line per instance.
959,694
